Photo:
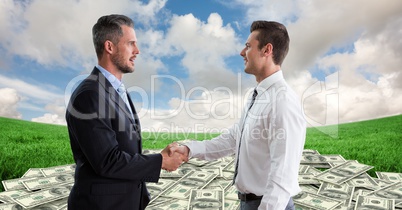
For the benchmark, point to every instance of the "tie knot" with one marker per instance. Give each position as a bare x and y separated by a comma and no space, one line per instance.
255,93
121,89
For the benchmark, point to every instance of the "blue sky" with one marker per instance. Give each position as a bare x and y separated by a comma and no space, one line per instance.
343,61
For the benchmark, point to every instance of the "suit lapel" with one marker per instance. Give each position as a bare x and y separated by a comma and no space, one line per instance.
137,121
113,95
137,125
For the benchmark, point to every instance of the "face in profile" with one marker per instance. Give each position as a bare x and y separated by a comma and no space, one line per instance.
126,50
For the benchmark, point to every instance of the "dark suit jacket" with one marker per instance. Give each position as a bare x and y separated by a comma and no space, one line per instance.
106,143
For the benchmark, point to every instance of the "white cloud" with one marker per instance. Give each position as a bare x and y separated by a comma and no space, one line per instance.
50,119
146,67
9,102
49,33
205,46
369,82
276,10
55,116
325,25
38,92
31,97
212,111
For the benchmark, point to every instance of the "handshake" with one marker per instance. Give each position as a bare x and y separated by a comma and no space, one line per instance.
173,156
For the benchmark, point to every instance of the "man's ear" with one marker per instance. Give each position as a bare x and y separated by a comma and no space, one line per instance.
109,47
268,49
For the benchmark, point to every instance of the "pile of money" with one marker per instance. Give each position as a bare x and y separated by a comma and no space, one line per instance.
327,182
331,182
39,188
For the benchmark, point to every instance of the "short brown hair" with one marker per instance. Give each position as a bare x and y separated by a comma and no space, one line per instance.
274,33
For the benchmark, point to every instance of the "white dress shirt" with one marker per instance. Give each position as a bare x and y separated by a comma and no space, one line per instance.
272,143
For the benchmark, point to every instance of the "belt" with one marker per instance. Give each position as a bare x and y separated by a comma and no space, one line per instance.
248,196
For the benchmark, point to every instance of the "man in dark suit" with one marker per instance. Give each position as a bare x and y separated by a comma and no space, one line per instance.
104,129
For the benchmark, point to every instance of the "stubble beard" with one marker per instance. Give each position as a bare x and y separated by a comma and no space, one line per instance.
119,62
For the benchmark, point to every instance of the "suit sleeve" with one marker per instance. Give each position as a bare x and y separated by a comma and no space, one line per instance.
96,138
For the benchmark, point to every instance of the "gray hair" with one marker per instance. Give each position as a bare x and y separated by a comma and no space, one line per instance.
109,28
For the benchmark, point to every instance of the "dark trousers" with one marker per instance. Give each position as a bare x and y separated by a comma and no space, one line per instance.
253,205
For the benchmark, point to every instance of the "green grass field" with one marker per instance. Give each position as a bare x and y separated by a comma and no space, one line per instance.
25,145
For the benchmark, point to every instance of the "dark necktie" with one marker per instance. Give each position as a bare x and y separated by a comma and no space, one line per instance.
241,134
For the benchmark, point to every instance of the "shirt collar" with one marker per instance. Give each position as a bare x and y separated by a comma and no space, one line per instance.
267,82
110,77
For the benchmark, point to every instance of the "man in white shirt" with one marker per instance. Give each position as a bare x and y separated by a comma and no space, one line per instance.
269,139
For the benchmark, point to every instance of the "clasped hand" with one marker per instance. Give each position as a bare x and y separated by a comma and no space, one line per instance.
173,156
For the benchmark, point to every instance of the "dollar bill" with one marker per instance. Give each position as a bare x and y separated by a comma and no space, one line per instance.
222,183
307,179
351,207
339,192
358,192
43,196
70,168
188,165
389,176
9,196
15,184
228,175
313,159
230,167
212,170
303,169
309,188
398,205
59,203
151,151
367,202
382,182
231,193
232,204
176,204
46,182
63,207
300,207
10,206
316,201
312,170
363,180
206,199
156,189
321,161
310,152
334,158
33,172
197,162
393,191
343,172
46,206
192,180
180,172
160,200
222,162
